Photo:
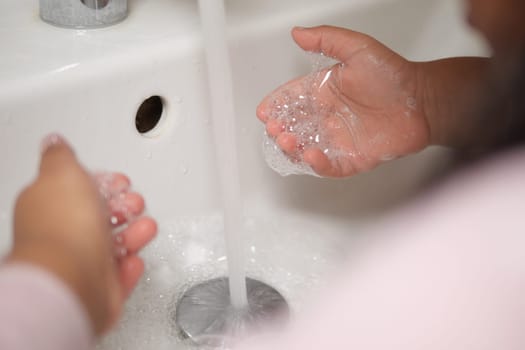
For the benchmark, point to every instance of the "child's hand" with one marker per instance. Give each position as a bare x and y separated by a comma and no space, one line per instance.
62,224
375,114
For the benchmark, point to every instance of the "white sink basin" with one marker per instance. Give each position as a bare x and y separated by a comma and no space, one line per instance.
88,86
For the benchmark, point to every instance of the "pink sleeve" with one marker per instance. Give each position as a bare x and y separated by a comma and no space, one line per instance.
37,311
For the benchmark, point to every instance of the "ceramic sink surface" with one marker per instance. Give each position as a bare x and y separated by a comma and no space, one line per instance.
89,84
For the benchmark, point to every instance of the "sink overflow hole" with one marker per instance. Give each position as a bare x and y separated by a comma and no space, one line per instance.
149,114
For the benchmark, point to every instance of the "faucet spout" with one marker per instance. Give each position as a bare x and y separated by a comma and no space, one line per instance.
83,14
95,4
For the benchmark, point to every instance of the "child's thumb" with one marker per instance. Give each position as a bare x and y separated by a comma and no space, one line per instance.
335,42
56,153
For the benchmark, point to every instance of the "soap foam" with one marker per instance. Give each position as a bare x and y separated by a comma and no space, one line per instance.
302,109
290,256
115,197
280,162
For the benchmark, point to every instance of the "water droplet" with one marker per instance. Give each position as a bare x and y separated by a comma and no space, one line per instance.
411,103
387,157
184,169
120,252
118,239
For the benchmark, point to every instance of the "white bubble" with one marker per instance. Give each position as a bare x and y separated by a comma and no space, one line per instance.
184,169
281,163
412,103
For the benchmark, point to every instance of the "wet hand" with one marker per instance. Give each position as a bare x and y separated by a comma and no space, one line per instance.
367,108
63,225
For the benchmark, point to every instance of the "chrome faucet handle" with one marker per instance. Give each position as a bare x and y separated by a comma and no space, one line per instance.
83,14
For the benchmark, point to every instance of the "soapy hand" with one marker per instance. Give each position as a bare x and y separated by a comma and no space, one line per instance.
352,116
63,225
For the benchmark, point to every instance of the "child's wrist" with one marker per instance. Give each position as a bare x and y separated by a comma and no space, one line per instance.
426,95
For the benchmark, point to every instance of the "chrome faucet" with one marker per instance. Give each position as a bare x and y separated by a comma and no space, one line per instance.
83,14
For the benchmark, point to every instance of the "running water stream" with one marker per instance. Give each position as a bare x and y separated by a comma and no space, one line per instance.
213,22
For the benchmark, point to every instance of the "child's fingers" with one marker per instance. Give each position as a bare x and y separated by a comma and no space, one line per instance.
131,269
262,111
274,127
119,182
326,167
113,182
277,111
287,142
122,204
266,110
319,162
137,235
338,43
122,208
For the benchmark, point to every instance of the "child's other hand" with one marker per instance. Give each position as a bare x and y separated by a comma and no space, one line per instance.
373,93
63,225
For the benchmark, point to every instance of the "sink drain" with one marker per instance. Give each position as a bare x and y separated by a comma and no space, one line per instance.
205,316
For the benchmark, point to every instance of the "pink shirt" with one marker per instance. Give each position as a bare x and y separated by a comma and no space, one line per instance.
38,312
448,272
445,273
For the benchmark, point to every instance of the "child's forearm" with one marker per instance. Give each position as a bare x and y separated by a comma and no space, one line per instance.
452,91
